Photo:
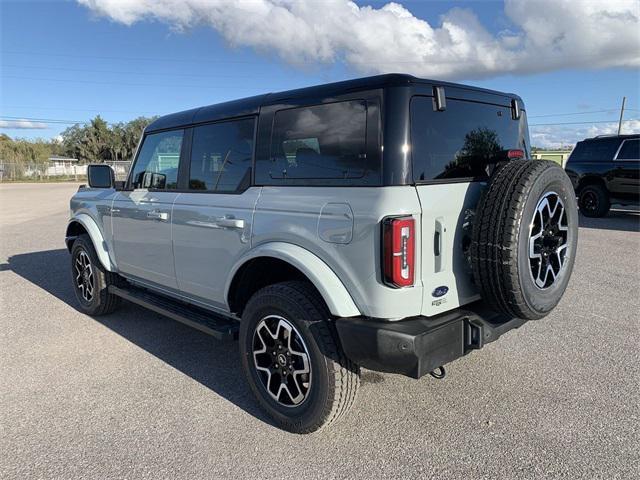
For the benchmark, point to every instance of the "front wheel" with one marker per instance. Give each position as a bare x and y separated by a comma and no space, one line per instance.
91,280
292,359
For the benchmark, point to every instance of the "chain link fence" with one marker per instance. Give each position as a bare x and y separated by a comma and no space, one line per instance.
55,171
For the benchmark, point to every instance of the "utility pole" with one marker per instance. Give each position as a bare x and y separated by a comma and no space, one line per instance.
624,99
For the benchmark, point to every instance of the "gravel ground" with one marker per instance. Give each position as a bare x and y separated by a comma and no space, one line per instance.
135,395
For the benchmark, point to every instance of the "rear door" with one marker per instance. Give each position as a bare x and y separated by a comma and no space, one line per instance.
212,219
141,214
449,153
626,172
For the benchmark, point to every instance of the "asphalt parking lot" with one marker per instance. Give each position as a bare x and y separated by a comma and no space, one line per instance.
136,395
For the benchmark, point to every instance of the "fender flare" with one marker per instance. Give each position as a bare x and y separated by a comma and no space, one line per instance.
331,289
91,226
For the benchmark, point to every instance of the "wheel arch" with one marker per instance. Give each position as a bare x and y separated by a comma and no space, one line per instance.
279,261
81,224
590,180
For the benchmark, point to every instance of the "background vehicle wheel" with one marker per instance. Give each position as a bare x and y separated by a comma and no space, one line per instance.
292,359
524,238
91,280
594,201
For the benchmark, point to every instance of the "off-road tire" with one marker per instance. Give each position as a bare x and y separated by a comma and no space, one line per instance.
102,302
594,201
500,254
334,378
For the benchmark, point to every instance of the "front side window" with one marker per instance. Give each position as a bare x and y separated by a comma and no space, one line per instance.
221,156
320,144
157,164
630,150
460,141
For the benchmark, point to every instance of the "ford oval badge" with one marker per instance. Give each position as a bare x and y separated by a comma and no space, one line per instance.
440,291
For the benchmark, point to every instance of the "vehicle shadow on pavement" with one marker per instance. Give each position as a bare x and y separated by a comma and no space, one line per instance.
216,365
622,220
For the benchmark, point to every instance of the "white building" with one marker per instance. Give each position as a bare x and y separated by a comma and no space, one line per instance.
61,166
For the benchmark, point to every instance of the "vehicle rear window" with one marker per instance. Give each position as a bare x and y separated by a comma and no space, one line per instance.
630,150
221,155
320,144
601,150
457,142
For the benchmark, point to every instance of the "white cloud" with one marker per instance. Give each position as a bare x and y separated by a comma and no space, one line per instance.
23,125
555,136
545,34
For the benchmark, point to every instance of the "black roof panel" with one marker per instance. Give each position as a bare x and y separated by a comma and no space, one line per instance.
251,105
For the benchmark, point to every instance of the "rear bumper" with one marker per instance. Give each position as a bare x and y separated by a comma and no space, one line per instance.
418,345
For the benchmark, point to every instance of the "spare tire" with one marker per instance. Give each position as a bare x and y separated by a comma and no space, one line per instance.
524,238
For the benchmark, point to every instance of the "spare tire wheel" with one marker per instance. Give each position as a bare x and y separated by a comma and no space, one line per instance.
524,238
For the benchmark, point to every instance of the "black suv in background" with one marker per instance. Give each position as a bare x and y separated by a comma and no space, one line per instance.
605,170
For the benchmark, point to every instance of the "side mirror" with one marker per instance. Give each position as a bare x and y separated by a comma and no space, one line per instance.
154,180
101,176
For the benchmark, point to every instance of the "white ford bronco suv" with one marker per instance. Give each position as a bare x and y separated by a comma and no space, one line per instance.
390,223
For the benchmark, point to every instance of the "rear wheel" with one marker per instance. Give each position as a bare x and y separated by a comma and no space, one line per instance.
594,201
292,359
91,280
524,238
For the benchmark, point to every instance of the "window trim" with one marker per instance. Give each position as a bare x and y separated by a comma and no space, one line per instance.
615,157
444,181
128,184
186,170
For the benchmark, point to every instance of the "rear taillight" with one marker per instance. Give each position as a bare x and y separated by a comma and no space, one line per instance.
398,247
515,153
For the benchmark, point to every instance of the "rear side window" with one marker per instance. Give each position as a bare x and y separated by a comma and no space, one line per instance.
157,164
319,145
221,155
601,150
630,150
457,142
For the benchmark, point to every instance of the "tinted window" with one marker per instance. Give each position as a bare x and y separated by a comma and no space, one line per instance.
601,150
457,142
323,142
630,150
221,156
157,163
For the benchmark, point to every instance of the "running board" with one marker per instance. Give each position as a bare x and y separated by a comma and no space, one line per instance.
208,322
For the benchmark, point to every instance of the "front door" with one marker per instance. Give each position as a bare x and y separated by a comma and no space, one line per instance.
212,223
141,214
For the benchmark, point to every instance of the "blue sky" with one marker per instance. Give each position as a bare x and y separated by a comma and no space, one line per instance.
65,61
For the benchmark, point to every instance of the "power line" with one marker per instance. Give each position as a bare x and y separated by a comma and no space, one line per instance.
121,72
136,59
147,85
609,110
580,123
99,110
301,61
41,120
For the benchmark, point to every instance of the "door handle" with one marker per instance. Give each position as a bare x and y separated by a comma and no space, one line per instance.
438,244
230,222
156,215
